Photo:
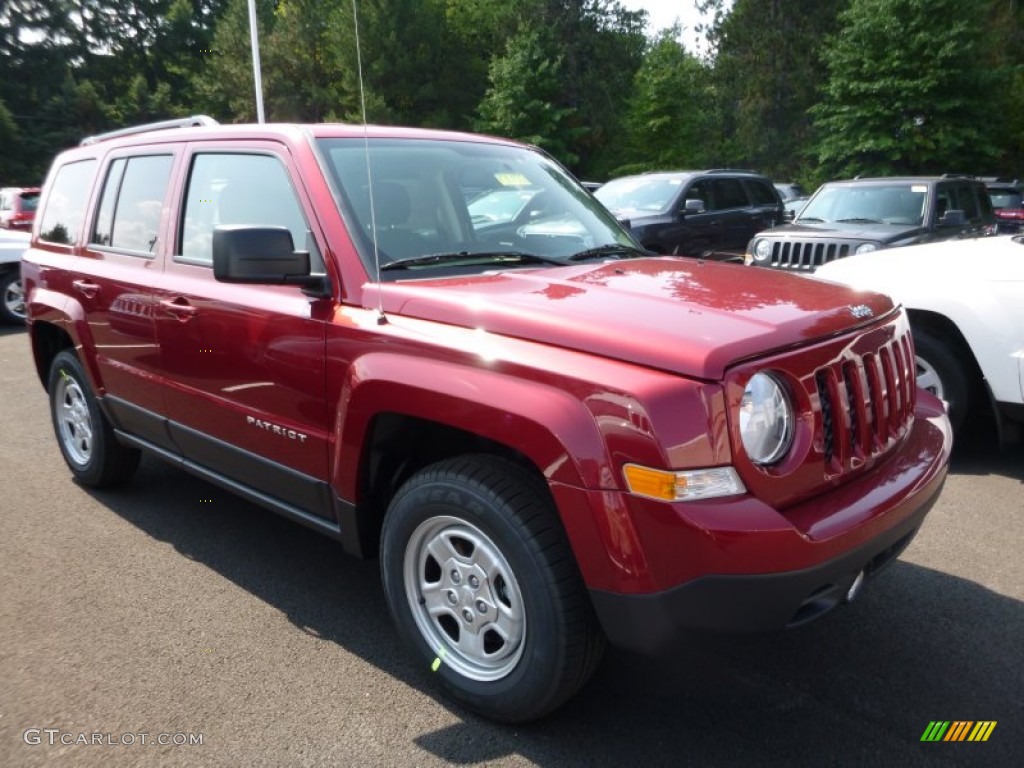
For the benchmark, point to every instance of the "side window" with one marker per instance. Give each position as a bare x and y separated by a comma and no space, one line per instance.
761,192
943,201
132,202
700,190
968,201
226,188
64,215
729,194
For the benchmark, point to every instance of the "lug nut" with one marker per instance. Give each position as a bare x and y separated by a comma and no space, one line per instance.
452,597
456,577
474,582
467,615
481,606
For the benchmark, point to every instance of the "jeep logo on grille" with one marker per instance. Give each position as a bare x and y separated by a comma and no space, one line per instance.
861,310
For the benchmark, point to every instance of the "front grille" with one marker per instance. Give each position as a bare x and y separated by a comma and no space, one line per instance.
866,402
806,254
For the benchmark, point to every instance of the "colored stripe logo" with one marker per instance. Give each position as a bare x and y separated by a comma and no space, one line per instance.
958,730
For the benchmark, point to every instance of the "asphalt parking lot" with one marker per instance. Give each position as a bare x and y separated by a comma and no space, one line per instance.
172,609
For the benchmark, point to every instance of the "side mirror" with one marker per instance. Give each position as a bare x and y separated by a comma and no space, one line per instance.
693,205
261,255
953,218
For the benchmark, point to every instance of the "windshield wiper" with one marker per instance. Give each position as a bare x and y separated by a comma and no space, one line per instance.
857,220
609,249
808,218
491,257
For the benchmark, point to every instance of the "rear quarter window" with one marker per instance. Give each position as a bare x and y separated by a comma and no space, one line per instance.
63,216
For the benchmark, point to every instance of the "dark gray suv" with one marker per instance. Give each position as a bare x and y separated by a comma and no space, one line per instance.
861,215
711,213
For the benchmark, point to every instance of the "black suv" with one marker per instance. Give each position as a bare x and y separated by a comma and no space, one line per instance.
710,213
861,215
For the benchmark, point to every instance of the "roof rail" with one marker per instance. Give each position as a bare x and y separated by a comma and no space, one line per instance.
181,122
731,170
958,176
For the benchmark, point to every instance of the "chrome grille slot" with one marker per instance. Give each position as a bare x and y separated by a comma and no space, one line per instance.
806,254
865,403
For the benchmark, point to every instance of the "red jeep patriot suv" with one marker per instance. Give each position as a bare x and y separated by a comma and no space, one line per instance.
549,437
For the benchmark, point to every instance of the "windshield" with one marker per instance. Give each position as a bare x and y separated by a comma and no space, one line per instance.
636,193
896,203
1005,198
500,204
29,201
461,198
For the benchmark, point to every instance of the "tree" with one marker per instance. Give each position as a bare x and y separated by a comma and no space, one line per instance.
910,89
768,71
523,100
671,118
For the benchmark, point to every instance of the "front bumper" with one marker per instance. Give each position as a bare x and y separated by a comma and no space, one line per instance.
747,603
739,566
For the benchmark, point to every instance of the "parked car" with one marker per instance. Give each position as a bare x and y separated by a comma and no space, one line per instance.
18,207
1008,202
790,191
965,299
12,299
551,438
710,213
863,215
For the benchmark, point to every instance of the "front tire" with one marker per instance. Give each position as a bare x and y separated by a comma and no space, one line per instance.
944,373
480,580
85,437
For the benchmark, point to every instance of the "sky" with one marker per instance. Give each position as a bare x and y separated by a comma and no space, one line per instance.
664,13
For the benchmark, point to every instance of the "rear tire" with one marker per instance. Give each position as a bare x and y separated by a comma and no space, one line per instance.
481,582
945,372
12,298
85,437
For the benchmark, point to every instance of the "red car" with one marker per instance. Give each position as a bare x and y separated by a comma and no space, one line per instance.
1008,202
18,207
550,437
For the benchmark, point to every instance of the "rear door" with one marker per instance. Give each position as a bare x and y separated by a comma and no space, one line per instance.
120,262
245,363
737,219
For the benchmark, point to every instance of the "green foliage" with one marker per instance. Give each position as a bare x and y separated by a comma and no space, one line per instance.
670,120
768,73
522,102
800,89
909,89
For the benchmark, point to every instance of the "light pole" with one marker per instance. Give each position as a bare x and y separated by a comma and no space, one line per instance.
257,77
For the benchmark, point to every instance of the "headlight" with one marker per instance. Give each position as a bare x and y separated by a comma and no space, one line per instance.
766,419
762,250
866,248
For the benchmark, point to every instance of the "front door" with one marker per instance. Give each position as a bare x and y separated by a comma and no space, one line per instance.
245,363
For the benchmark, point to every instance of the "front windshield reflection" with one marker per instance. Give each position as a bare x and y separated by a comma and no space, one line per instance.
449,197
902,204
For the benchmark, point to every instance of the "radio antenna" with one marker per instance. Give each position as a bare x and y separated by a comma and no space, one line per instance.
381,317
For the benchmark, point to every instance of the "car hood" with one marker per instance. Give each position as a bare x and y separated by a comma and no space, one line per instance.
683,315
884,233
13,244
899,271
